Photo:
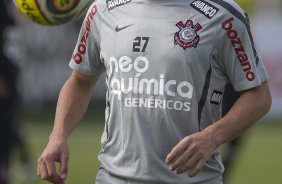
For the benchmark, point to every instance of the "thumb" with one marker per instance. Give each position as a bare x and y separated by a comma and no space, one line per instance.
64,166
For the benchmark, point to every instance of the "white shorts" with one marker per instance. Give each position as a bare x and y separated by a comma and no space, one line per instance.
103,177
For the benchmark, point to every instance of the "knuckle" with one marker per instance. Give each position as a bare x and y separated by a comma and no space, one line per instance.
196,147
186,166
198,169
189,164
65,157
179,161
187,139
48,157
43,158
39,160
176,165
174,151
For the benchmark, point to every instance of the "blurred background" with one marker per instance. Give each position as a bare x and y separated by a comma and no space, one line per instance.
40,57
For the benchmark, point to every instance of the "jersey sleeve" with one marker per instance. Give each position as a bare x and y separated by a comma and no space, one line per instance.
86,55
237,54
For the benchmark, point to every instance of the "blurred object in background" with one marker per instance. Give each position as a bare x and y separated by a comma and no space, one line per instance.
247,5
44,52
10,130
60,12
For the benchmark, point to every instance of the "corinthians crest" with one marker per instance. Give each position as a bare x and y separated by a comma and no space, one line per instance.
187,36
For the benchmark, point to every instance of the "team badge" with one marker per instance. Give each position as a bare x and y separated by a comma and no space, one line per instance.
187,36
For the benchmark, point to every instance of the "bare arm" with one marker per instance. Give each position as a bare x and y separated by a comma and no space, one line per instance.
72,104
251,106
193,151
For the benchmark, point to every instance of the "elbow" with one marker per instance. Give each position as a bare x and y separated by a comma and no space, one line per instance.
267,103
267,100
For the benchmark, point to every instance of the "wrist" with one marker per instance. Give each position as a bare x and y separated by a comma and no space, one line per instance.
216,135
58,135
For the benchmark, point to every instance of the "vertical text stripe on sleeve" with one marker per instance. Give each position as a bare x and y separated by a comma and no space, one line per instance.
243,19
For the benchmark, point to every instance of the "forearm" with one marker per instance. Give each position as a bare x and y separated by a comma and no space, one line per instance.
250,107
72,104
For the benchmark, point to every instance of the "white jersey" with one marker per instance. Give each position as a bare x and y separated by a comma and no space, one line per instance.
167,63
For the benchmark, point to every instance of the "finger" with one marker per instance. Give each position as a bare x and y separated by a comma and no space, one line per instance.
188,165
178,149
197,168
42,170
51,168
64,166
182,159
44,173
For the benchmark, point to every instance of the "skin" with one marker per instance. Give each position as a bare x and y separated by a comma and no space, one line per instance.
72,103
191,153
194,151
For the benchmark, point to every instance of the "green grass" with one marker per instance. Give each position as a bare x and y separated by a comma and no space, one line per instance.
259,162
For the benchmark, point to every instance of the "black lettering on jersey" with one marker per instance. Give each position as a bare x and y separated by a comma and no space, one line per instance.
111,4
140,44
204,8
216,97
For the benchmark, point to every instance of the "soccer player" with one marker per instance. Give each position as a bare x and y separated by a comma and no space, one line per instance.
167,63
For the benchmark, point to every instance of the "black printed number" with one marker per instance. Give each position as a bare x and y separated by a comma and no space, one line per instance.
140,44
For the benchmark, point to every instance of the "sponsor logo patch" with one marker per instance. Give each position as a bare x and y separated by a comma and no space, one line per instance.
216,97
187,35
111,4
204,8
239,49
81,47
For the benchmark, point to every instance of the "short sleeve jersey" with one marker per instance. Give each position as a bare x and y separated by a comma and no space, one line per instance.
167,63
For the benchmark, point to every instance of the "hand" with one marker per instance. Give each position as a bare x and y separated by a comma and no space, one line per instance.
57,150
192,152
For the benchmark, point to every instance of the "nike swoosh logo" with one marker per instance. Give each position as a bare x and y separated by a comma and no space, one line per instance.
117,29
